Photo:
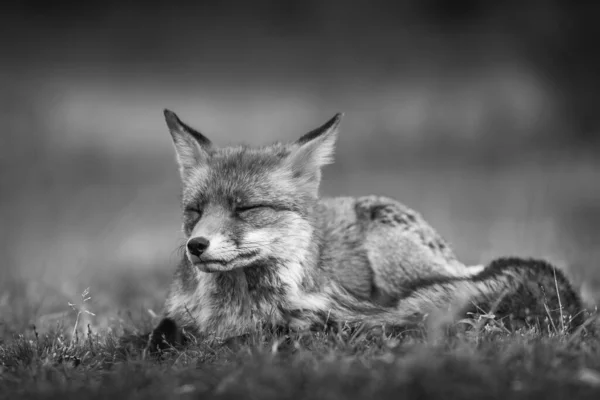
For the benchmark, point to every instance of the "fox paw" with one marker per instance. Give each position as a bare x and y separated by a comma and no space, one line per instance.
166,335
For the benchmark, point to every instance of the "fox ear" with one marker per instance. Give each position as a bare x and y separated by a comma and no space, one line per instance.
313,150
192,148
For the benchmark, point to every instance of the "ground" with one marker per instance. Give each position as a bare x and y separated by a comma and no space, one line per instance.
436,362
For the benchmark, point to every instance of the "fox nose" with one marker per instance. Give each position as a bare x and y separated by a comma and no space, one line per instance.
197,245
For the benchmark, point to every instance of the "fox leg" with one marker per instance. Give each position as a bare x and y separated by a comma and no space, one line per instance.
166,334
402,249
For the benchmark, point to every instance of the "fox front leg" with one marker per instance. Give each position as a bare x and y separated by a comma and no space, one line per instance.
167,334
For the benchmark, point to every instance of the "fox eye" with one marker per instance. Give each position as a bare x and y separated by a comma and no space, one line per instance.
241,209
194,211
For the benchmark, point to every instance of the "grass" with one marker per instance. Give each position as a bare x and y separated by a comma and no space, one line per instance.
439,362
474,357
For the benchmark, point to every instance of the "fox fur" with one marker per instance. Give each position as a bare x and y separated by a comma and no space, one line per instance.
279,254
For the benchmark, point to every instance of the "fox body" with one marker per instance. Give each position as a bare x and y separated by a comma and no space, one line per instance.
263,247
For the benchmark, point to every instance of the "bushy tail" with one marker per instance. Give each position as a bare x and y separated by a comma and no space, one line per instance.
515,289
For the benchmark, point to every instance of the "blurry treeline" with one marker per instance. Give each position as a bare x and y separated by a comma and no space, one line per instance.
512,73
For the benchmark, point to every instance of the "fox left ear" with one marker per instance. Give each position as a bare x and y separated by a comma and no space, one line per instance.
192,147
313,150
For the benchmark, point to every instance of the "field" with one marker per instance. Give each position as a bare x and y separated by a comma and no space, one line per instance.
478,141
113,227
529,209
488,365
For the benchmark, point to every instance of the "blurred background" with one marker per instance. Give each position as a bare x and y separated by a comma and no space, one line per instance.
483,116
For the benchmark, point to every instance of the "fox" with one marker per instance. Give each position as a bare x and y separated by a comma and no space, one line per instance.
262,247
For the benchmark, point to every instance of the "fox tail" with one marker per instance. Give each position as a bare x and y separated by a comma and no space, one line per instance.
514,289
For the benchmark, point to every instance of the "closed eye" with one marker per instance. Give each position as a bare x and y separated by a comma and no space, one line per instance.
193,210
273,207
251,207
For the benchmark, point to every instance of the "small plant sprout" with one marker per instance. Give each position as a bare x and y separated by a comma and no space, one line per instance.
80,309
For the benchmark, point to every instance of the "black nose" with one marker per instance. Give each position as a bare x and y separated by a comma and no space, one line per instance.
197,245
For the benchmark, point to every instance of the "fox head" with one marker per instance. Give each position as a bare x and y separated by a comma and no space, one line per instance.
246,206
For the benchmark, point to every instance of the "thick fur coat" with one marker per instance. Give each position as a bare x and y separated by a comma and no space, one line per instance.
264,248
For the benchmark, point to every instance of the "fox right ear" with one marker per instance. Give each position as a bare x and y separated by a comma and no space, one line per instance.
192,147
312,151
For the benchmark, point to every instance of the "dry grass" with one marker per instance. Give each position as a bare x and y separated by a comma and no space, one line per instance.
441,362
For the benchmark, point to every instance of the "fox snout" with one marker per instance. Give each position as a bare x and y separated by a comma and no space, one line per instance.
197,245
